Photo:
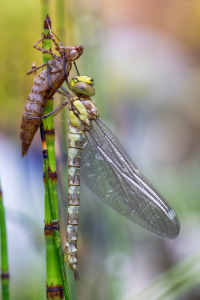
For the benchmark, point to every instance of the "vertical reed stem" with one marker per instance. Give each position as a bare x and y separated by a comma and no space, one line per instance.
4,252
63,167
56,275
45,8
54,226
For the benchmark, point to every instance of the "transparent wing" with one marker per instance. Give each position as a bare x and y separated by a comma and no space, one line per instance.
112,176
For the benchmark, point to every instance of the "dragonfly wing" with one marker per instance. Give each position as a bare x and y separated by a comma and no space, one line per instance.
113,177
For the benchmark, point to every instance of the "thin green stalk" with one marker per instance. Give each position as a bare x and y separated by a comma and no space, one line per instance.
45,8
53,276
4,252
62,15
63,167
57,278
60,12
52,210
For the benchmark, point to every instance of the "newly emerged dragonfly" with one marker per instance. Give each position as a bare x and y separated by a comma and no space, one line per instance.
96,156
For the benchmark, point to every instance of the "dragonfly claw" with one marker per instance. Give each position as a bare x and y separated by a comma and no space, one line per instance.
76,276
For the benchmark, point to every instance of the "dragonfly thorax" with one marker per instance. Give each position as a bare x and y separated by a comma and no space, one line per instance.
81,111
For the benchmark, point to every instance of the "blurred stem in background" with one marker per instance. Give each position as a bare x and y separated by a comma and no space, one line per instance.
45,8
62,15
4,252
175,282
60,11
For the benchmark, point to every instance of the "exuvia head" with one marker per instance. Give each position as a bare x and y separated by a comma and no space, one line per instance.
71,53
83,85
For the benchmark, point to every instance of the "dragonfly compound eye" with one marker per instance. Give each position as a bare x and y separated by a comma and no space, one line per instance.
74,54
83,85
82,88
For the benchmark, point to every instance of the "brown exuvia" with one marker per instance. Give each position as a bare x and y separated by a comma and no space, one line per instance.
45,86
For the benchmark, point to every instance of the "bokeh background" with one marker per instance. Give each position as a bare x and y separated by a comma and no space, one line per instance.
145,58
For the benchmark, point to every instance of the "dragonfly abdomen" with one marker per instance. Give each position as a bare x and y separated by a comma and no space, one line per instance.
75,136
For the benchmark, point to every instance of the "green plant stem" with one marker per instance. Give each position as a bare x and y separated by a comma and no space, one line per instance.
53,276
50,208
60,20
52,234
63,167
4,252
45,8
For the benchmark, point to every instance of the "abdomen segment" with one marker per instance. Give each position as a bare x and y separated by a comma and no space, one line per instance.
75,136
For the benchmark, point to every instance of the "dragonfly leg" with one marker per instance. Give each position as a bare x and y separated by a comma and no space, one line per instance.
33,70
66,91
43,50
53,112
52,37
66,77
51,86
76,69
59,108
57,38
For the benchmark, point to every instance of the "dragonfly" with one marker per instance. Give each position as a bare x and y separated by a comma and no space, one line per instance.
46,84
96,157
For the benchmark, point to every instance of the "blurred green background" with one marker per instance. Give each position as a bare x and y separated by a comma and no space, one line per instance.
145,58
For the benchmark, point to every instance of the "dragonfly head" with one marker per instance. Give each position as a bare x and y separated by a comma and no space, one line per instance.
70,53
83,85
